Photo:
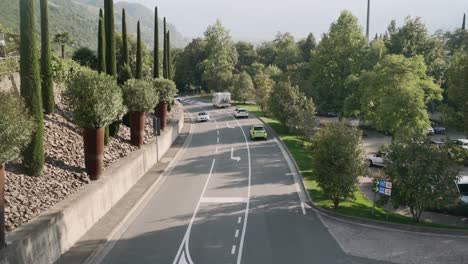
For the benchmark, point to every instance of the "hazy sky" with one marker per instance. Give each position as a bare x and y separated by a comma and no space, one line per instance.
257,20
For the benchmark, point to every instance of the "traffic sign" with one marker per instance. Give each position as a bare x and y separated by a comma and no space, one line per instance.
382,187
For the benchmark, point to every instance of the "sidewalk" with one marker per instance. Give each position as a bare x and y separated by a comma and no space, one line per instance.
365,185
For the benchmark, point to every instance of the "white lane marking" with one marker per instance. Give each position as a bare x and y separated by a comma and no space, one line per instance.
216,150
233,250
224,200
292,168
239,219
228,125
218,140
237,233
185,241
232,156
217,132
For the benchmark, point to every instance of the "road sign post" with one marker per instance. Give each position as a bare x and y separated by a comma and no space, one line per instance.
380,186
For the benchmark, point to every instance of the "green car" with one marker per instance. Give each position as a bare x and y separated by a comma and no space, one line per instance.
258,131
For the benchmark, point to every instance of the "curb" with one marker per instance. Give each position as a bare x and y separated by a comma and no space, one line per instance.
362,221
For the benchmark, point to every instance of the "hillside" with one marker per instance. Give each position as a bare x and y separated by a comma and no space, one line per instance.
79,18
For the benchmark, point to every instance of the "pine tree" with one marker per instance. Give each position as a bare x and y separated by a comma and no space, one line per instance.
164,50
138,74
31,87
111,66
46,67
101,44
125,56
169,57
464,22
156,65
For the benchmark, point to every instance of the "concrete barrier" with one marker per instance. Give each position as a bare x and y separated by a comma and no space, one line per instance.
47,237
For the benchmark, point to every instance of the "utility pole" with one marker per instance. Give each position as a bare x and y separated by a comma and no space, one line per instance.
368,19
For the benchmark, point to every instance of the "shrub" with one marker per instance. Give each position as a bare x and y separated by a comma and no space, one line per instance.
85,57
16,127
95,99
140,95
166,88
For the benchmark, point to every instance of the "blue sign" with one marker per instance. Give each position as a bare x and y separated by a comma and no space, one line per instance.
382,190
382,183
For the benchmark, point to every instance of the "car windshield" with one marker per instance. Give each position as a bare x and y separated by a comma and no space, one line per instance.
202,114
463,188
259,128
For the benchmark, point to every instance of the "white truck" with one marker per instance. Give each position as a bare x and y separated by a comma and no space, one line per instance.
222,99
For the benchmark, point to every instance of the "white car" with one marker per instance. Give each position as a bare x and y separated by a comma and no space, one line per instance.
463,188
377,159
203,116
241,112
430,131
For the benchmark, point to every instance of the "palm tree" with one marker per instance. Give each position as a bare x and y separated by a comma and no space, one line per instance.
62,39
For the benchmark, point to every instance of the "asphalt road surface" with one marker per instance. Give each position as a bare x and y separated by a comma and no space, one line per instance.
228,199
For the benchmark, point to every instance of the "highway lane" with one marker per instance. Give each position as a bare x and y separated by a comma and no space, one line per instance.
227,200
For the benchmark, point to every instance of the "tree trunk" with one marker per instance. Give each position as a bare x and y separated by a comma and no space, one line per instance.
2,206
137,128
162,114
93,150
336,203
63,51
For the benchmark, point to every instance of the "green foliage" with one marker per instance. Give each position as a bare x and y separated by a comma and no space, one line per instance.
263,87
339,55
62,39
111,65
101,64
166,89
124,53
146,58
247,55
140,95
64,70
221,57
394,95
287,51
307,46
95,99
170,66
188,71
47,82
283,98
31,88
458,86
422,176
139,63
243,87
303,121
156,64
9,65
16,127
338,161
85,57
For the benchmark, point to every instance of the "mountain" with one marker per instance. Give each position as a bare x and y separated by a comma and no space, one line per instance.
80,19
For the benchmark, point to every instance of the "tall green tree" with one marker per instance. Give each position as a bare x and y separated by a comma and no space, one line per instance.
170,67
243,88
164,50
464,22
458,86
111,64
246,55
188,73
263,87
31,87
221,59
124,72
156,65
139,62
63,39
338,161
423,176
339,55
283,98
101,43
125,54
287,51
394,96
46,67
307,46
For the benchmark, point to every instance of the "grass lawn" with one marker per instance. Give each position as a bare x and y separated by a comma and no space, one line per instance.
360,207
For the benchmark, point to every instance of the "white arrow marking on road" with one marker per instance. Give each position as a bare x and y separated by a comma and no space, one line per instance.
232,156
229,125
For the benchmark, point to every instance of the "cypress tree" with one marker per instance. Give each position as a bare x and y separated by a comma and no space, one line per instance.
138,74
164,50
464,22
125,56
156,65
46,67
111,66
31,87
101,44
169,57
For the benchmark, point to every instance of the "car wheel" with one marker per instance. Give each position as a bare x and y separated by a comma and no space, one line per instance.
370,163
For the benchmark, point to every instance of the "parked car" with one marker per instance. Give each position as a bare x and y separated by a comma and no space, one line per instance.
430,130
438,128
258,131
463,188
203,116
377,159
241,112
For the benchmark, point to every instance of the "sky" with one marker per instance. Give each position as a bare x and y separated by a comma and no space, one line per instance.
260,20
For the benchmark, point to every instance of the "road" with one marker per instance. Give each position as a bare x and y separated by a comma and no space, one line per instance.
228,199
